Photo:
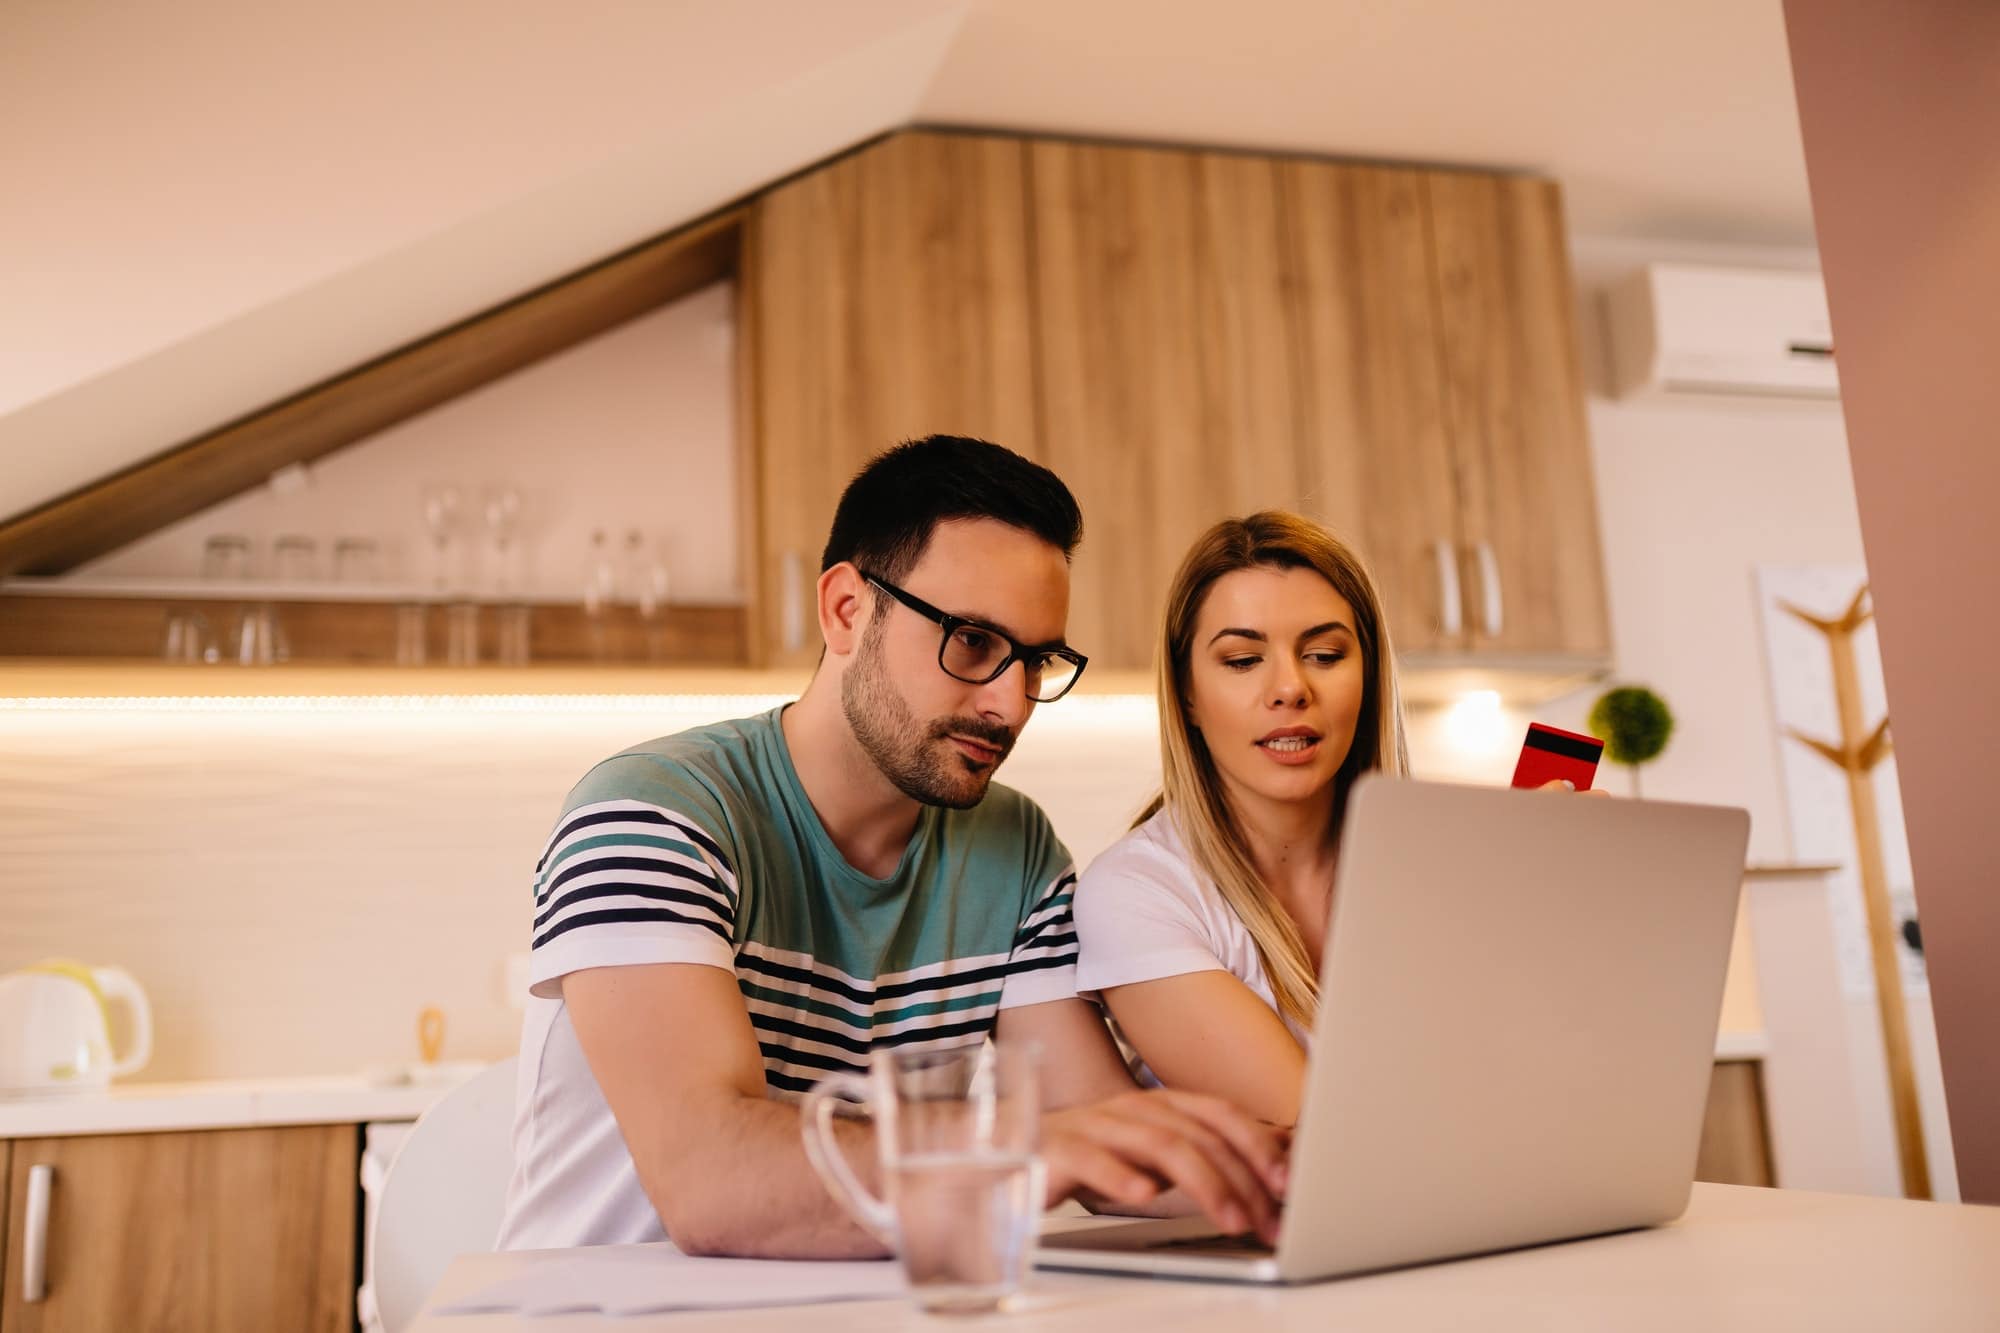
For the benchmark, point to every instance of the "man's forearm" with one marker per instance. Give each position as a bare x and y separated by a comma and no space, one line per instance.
750,1192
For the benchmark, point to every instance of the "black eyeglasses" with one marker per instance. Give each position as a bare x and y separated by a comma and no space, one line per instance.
976,653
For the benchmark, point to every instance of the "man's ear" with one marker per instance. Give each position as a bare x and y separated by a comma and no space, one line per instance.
843,608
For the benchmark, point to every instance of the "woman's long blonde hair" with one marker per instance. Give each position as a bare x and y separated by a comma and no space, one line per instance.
1191,788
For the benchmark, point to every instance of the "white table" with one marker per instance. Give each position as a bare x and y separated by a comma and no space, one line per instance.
1741,1259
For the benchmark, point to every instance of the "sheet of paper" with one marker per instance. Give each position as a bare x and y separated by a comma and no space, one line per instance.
651,1279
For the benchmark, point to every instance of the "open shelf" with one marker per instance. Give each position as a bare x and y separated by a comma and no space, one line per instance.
29,679
108,621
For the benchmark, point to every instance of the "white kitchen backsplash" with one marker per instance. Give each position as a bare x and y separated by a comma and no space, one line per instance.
294,881
293,887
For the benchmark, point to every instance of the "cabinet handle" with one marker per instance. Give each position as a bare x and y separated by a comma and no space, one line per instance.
35,1244
1451,619
1489,581
791,603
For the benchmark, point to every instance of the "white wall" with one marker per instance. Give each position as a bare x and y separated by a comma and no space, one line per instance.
633,430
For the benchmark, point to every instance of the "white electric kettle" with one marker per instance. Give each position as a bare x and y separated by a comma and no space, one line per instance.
55,1028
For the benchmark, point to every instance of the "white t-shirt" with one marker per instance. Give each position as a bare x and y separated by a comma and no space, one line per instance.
702,848
1144,912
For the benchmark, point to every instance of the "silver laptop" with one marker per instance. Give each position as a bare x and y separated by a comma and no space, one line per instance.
1515,1037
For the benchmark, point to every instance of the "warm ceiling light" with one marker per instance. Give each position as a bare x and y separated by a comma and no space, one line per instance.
1474,723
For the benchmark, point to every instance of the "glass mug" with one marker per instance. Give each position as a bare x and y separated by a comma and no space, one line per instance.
955,1137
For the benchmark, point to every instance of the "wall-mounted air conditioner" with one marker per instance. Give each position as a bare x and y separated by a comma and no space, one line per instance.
1676,328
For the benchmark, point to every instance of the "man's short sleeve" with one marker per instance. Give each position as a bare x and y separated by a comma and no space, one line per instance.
638,870
1042,964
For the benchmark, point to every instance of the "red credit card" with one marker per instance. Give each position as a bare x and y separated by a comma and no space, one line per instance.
1551,754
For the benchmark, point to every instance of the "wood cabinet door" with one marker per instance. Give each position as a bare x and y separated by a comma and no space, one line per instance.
884,297
1513,401
1164,365
220,1230
1735,1132
1372,428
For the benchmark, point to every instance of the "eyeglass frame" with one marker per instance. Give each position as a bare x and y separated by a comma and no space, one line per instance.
1016,650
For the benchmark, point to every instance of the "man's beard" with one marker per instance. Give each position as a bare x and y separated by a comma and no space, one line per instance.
913,754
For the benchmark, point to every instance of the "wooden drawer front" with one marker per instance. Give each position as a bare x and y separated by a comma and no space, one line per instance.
1735,1138
221,1230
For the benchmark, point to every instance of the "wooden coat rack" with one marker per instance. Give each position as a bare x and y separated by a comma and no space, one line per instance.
1861,748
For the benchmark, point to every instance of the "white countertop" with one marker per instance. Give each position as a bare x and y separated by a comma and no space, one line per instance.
1741,1260
136,1108
140,1108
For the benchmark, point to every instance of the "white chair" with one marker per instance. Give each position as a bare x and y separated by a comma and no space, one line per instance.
444,1193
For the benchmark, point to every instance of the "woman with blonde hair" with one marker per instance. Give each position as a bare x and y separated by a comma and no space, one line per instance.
1202,929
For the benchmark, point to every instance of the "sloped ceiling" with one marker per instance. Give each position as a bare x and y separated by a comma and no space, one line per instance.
213,204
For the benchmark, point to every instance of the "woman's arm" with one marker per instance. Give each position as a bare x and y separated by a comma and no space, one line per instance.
1208,1032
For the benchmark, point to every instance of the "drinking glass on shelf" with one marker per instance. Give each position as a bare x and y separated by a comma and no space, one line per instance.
441,515
411,630
599,587
226,557
461,633
501,506
648,578
513,627
295,559
357,560
255,642
187,638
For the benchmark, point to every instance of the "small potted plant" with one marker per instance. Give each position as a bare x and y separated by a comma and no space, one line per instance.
1634,723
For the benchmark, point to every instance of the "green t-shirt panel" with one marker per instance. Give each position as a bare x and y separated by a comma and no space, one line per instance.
702,847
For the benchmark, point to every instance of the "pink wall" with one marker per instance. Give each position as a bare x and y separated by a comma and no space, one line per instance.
1899,105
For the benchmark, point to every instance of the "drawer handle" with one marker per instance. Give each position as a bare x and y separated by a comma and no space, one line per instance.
35,1246
1489,580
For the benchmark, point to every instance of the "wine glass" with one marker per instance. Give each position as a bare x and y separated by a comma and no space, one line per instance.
501,506
442,504
600,583
648,578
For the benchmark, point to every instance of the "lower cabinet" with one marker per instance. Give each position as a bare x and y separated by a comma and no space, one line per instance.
220,1230
1736,1136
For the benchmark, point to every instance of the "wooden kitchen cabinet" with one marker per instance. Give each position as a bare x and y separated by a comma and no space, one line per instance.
7,1264
1390,351
1162,352
1736,1135
1184,335
220,1230
885,297
1513,402
1371,404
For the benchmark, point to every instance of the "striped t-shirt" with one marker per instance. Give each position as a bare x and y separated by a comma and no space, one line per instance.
703,848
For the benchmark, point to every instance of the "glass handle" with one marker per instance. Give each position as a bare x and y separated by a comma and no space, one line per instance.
117,984
816,1124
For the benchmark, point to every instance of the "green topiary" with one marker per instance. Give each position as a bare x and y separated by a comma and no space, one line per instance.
1634,723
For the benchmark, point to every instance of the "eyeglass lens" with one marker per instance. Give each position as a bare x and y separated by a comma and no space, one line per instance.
975,655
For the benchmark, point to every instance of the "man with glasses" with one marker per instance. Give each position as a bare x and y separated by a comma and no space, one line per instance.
724,916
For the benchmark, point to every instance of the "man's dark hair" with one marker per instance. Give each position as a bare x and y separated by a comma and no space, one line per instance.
888,512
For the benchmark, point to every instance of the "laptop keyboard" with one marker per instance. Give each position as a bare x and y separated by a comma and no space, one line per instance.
1233,1246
